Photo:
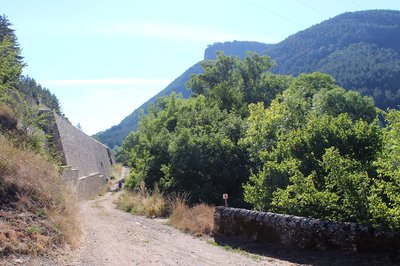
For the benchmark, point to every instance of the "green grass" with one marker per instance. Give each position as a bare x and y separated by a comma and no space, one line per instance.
34,229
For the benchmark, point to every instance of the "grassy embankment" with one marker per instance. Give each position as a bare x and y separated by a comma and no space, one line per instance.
38,211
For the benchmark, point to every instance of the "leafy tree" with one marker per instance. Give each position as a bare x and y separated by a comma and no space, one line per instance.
233,83
192,145
205,157
10,65
188,145
313,150
384,198
333,158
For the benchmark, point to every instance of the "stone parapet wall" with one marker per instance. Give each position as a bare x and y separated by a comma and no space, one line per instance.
91,185
303,232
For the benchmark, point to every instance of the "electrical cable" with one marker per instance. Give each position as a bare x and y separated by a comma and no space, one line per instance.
313,8
357,4
275,13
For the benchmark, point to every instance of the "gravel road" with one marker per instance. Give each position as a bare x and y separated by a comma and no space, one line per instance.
113,237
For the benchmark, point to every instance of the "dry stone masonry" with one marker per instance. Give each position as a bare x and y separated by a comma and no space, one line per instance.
303,232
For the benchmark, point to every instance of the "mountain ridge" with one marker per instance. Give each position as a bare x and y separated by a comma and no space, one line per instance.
359,49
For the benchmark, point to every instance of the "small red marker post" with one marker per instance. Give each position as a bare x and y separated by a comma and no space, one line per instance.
225,197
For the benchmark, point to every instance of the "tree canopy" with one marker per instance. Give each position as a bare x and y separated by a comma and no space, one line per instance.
301,146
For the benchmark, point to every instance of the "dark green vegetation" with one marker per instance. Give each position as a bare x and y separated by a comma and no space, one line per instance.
10,72
360,50
302,146
192,145
21,96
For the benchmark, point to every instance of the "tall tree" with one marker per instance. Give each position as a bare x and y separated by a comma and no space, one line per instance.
311,138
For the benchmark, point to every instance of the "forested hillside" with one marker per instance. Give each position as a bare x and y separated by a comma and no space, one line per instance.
235,48
360,50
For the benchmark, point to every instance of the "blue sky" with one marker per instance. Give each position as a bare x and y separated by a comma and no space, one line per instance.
103,59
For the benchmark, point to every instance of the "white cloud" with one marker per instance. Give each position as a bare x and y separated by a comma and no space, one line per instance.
107,82
177,32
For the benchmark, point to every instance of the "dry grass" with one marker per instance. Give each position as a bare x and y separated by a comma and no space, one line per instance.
8,117
143,202
198,220
37,209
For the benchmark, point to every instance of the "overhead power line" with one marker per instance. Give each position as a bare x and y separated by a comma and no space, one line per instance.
357,4
313,8
274,13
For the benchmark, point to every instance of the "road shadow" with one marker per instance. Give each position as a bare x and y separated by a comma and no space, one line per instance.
309,257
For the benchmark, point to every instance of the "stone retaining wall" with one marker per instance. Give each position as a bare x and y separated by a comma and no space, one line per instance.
303,232
84,159
81,151
70,175
91,185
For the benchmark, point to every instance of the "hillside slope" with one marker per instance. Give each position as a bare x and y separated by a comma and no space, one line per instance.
359,49
116,134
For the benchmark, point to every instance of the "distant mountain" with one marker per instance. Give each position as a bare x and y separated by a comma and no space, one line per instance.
116,134
235,48
360,49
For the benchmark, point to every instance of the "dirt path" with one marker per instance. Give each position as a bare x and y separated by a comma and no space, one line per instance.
113,237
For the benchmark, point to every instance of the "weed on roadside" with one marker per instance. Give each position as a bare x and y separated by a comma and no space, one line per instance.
151,204
198,220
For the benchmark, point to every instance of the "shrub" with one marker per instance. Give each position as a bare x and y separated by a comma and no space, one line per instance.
198,220
143,202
